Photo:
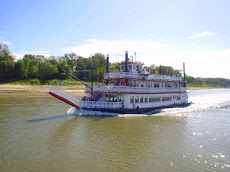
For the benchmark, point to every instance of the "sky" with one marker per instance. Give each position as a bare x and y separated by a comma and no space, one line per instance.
164,32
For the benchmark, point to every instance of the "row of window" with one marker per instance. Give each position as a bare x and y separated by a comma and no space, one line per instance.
151,84
149,99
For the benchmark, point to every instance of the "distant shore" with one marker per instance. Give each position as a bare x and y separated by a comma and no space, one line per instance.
17,90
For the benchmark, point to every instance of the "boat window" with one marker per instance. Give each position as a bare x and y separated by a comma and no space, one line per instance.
136,99
131,99
122,68
141,99
150,99
146,99
130,68
148,84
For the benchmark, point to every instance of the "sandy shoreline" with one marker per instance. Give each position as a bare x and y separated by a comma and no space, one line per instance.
12,90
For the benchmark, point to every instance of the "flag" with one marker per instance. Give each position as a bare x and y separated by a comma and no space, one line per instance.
93,57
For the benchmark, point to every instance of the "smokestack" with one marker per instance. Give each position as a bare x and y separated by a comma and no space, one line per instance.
107,68
126,61
184,74
107,65
160,69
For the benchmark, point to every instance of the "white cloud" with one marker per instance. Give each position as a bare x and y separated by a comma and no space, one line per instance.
198,64
200,35
6,42
45,53
150,35
114,47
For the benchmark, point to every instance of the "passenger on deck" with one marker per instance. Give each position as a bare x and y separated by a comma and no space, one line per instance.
84,98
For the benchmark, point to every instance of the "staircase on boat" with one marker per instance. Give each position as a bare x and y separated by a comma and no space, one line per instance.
64,96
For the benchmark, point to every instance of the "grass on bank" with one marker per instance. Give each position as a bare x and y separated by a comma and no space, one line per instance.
48,82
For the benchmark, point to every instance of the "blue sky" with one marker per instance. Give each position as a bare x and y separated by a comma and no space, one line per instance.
161,32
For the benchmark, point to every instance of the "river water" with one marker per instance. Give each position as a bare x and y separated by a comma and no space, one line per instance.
44,134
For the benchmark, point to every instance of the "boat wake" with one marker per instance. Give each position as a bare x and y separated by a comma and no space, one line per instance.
81,112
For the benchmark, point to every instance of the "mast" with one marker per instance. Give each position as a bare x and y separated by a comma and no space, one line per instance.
126,64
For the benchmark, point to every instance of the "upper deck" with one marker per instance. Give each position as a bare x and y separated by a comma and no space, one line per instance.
135,70
136,75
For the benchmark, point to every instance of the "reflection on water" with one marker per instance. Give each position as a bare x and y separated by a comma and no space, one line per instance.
43,134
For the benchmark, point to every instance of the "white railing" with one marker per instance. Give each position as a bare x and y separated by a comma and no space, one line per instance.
63,94
105,105
127,89
164,78
123,75
139,76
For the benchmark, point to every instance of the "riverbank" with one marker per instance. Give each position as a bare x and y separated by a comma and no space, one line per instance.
15,90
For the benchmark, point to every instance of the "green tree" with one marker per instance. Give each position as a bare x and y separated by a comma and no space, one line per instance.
6,62
71,59
113,67
20,70
48,71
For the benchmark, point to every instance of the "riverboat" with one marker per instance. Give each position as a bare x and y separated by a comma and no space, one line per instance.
131,90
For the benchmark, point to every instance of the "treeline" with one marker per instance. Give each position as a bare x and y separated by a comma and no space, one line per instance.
41,68
38,68
207,82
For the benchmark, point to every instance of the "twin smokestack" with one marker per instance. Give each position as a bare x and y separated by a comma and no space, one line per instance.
126,62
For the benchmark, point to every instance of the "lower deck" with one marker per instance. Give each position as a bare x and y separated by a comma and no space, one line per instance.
136,110
135,102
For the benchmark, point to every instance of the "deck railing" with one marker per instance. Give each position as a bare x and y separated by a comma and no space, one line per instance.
129,89
164,78
105,105
139,76
122,75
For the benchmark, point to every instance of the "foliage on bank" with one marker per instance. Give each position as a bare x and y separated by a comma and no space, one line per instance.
207,82
36,69
49,82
